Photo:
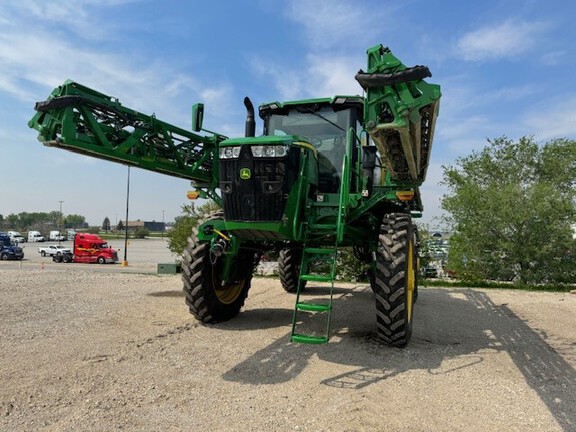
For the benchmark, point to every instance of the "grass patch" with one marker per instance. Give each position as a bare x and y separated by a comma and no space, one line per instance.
498,285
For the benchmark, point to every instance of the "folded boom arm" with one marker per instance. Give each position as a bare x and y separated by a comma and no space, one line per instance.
82,120
400,112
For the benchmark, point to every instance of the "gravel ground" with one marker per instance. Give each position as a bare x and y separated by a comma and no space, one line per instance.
104,348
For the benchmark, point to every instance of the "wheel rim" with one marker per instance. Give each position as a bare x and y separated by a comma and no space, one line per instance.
410,282
227,293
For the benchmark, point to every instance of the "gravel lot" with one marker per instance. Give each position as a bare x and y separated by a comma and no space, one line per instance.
105,347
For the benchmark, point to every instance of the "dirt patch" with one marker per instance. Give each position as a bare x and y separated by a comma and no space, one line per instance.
91,351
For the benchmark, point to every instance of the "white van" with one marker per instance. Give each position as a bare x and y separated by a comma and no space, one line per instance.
56,236
35,236
16,237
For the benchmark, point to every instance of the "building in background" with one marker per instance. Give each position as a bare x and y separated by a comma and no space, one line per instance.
152,226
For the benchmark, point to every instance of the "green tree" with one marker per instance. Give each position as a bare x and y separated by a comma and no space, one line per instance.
178,236
141,233
511,206
54,218
75,221
106,224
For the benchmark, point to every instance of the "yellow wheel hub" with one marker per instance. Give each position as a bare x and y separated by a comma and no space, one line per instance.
229,292
410,281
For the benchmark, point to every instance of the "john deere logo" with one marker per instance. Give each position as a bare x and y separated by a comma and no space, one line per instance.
245,173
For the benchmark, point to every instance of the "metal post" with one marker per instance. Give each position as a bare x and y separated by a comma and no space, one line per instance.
125,262
60,222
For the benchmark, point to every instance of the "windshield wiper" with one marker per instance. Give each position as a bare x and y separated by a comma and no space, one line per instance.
311,111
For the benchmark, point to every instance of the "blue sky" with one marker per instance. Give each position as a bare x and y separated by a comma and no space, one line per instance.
506,68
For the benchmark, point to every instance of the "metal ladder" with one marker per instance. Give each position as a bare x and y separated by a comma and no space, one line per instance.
304,311
326,254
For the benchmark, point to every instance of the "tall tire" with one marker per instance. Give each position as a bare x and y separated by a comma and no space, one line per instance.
208,298
395,278
289,261
416,261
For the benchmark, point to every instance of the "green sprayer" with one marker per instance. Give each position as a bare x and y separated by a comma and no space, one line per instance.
326,174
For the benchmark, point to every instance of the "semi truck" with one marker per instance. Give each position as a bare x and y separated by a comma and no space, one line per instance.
325,174
9,250
88,248
35,236
16,237
56,236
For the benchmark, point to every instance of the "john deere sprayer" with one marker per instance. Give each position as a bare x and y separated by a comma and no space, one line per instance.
326,174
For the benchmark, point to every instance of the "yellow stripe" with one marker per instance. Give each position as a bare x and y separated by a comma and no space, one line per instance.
221,234
308,146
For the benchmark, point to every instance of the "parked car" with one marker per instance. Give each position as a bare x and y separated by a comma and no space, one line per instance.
53,250
429,271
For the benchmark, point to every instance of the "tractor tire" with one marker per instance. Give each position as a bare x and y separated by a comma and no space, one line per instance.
208,298
395,277
416,259
289,269
367,80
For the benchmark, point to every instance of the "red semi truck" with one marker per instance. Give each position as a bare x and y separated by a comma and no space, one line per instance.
89,248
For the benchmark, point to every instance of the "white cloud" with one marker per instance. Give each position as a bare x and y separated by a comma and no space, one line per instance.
32,63
329,76
432,192
552,119
324,76
288,82
506,40
553,58
340,23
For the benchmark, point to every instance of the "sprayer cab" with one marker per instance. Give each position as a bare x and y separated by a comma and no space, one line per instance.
299,156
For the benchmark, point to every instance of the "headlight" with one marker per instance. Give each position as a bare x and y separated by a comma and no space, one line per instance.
269,151
230,152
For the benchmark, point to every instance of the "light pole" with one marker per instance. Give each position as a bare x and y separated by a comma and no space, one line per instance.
60,222
163,226
125,262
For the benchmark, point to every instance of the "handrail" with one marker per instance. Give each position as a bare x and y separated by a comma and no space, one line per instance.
302,180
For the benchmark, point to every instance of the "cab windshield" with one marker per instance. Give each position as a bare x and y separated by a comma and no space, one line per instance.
325,129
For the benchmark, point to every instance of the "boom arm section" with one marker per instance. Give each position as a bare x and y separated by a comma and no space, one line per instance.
82,120
400,112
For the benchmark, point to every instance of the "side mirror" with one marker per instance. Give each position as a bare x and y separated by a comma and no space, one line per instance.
197,116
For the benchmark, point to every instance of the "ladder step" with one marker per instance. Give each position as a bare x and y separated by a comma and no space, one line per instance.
301,338
319,251
323,226
313,307
315,278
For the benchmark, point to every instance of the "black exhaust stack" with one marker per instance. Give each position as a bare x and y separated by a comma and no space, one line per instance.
250,130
